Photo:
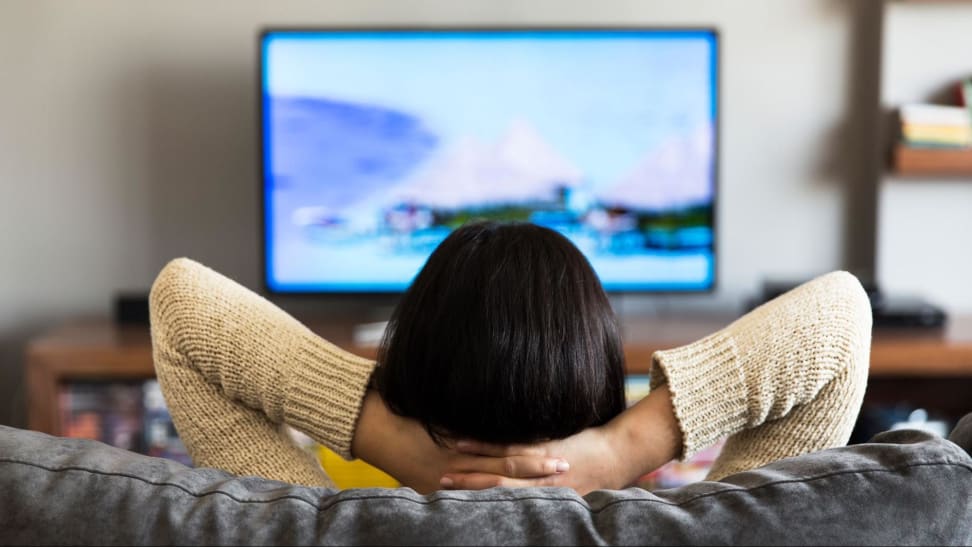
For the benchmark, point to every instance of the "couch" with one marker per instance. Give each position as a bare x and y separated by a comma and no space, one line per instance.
903,487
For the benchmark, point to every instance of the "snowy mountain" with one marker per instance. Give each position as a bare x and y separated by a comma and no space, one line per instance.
520,167
676,174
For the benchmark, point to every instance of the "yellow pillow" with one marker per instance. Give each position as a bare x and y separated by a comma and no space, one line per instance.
354,473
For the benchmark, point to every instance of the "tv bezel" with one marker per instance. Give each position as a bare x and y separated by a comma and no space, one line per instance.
264,32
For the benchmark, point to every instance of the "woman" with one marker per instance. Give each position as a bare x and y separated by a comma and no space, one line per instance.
502,366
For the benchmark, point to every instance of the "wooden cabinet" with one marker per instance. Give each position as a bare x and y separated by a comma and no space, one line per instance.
929,367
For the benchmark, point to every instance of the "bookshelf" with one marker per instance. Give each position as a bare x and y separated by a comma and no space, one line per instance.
921,66
921,199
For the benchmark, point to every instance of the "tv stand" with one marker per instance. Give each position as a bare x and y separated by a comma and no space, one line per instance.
930,367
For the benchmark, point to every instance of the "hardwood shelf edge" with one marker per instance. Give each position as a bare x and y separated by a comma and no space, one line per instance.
909,161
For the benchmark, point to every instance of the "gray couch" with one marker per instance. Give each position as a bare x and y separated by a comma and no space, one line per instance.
905,487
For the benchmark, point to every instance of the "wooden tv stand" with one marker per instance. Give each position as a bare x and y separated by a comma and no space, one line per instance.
931,368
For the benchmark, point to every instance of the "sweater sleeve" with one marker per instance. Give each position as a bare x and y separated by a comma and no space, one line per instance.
785,379
235,368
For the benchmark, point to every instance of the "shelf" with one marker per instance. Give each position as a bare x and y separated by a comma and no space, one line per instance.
101,350
909,161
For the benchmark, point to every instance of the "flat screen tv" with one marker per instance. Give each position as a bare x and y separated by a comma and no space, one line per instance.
376,143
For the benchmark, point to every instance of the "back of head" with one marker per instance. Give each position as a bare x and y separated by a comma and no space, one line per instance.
505,336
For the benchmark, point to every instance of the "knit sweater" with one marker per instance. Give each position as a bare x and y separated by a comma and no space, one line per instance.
784,379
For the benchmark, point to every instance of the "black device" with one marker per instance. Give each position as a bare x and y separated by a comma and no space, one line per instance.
896,310
131,308
889,310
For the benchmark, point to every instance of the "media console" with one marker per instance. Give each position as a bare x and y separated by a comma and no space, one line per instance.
931,368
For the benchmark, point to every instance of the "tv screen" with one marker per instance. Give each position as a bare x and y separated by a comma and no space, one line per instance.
376,143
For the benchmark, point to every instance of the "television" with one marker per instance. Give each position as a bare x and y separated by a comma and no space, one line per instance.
375,143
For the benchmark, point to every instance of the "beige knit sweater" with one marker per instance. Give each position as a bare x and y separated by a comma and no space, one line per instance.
785,379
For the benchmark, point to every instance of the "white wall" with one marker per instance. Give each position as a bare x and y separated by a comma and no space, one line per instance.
925,224
128,137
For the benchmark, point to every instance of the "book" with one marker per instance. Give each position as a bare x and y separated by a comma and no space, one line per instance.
679,473
160,438
934,114
936,126
110,412
674,473
922,134
127,414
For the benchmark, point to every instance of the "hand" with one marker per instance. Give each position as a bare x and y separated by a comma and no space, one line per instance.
403,448
593,464
640,439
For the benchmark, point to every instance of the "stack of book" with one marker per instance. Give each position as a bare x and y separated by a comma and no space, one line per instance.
935,126
127,414
936,139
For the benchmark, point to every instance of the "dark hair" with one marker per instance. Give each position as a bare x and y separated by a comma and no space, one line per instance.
504,336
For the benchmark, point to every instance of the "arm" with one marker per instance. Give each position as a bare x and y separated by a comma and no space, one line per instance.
785,379
234,368
403,448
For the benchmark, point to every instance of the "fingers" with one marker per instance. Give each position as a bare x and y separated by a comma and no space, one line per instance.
517,467
481,481
500,450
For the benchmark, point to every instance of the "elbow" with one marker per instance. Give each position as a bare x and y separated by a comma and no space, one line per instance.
854,304
169,299
852,321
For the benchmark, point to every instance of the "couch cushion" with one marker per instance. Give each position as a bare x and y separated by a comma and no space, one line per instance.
910,487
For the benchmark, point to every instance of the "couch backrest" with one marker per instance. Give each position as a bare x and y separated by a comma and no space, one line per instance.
910,488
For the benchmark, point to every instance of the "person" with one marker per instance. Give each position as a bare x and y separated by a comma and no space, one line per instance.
502,366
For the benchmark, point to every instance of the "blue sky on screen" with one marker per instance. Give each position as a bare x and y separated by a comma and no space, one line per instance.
657,88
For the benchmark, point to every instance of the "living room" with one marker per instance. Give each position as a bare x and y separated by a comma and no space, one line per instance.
134,135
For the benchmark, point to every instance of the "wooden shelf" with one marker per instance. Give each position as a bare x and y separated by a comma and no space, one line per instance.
910,161
101,350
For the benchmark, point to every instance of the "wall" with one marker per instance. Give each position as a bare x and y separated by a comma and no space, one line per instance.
129,137
925,223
